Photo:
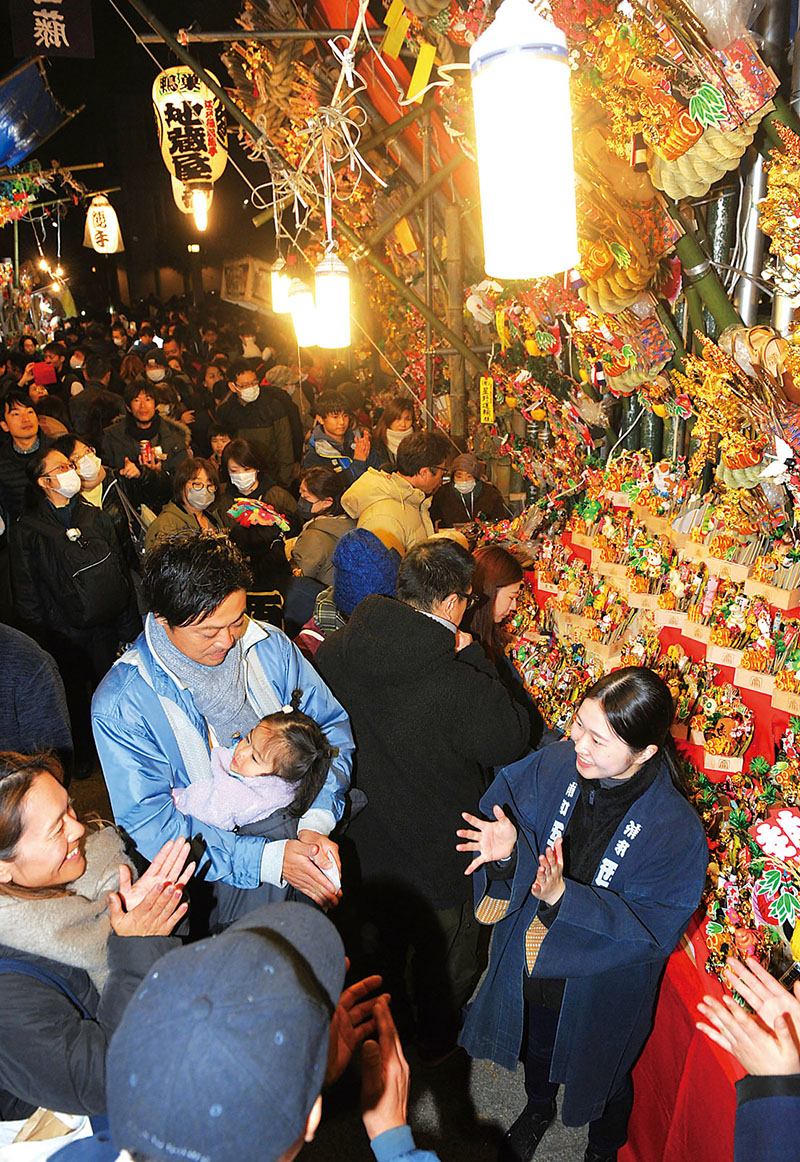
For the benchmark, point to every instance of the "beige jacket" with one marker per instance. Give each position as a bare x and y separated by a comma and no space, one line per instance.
391,508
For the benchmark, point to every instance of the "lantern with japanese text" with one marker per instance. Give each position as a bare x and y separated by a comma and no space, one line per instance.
102,231
193,136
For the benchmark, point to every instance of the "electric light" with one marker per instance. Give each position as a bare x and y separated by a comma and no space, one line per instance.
200,209
44,264
332,284
56,287
304,313
280,282
519,67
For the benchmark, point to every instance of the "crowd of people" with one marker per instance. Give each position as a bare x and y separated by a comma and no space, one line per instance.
251,593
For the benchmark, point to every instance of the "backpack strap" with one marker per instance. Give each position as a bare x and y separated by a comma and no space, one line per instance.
12,967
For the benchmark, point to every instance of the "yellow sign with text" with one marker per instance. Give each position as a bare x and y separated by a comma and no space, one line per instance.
487,399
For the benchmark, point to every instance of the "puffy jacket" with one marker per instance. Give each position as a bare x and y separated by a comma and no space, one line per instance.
265,422
150,738
323,452
312,552
174,518
391,508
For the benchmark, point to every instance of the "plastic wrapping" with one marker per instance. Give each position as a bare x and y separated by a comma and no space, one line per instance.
725,20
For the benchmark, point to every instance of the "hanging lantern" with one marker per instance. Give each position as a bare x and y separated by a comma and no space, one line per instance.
280,281
332,283
304,313
527,188
102,231
193,136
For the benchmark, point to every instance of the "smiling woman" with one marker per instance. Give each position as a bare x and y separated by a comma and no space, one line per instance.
69,902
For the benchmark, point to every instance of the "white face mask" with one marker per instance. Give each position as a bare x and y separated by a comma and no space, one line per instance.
199,498
119,341
76,363
244,481
249,394
69,483
395,439
464,486
75,388
89,466
156,374
163,409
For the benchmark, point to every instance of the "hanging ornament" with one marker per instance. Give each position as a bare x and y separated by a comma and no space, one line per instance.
102,231
332,283
527,192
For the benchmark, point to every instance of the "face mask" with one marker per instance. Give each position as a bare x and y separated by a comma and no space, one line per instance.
75,388
464,486
119,341
249,394
163,409
199,498
395,439
76,363
89,466
69,483
244,481
156,374
305,508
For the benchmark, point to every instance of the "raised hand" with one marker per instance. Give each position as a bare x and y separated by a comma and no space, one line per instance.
353,1021
490,840
166,868
384,1077
549,885
156,915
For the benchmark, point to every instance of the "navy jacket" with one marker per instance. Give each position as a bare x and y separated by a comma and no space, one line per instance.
609,940
767,1119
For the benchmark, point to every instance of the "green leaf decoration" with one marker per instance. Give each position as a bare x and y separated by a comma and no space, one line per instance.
759,766
769,884
629,353
621,255
545,340
713,928
786,908
707,106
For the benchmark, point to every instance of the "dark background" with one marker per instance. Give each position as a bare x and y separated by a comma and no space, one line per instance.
117,127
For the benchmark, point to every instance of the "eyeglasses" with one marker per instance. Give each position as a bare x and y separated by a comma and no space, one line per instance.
198,486
471,599
247,383
438,468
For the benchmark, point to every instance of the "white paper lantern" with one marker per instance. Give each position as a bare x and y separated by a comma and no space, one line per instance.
304,313
332,284
102,231
280,283
194,200
520,69
192,130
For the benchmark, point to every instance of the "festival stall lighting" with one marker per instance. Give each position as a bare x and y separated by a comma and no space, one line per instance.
527,190
193,135
332,283
304,313
200,203
102,230
280,283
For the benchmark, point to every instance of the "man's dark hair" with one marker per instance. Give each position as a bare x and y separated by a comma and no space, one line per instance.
220,429
329,403
15,397
432,570
55,349
422,450
187,576
238,367
138,387
97,366
146,329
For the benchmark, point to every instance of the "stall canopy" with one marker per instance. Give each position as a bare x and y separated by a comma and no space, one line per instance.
29,113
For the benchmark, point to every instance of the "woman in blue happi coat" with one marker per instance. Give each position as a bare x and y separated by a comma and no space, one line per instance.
590,870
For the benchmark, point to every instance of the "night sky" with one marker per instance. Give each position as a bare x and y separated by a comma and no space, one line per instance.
117,127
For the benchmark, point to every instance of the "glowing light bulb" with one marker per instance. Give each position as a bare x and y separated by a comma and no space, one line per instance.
332,283
56,287
200,209
280,282
44,264
304,313
59,272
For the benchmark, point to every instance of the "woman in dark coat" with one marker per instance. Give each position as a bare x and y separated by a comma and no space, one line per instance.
467,497
616,857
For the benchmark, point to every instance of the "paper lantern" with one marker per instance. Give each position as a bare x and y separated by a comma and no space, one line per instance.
102,231
280,282
519,69
332,283
304,313
193,137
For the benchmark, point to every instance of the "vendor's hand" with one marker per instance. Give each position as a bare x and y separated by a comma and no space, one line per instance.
129,469
760,1049
764,994
361,447
353,1021
463,639
156,915
490,840
384,1077
300,870
549,886
166,868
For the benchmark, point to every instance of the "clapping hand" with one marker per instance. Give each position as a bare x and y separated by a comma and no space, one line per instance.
166,868
549,886
489,840
385,1076
353,1021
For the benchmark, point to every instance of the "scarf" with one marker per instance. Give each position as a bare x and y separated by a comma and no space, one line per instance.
152,432
219,692
71,929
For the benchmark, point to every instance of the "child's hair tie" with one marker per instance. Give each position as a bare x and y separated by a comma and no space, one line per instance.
287,709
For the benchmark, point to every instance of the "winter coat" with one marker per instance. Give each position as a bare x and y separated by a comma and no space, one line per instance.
67,586
152,487
33,706
263,422
312,552
609,939
80,406
391,508
151,738
175,518
767,1119
451,508
426,720
323,452
13,480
